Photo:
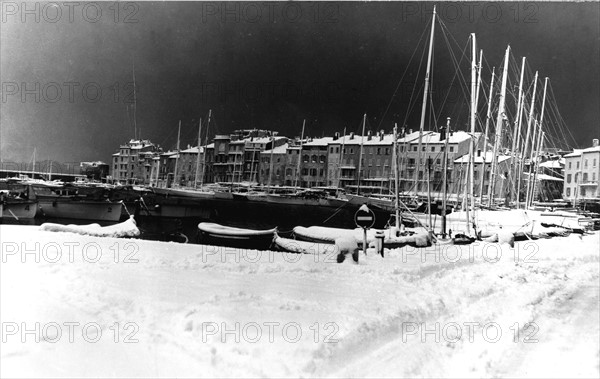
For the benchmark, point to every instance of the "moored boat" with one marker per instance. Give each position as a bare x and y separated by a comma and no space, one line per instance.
212,233
80,209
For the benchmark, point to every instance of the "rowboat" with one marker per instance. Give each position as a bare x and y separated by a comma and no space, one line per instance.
212,233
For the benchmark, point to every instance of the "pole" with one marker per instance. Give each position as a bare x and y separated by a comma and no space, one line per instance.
516,141
205,146
271,163
485,137
177,156
198,156
299,155
341,162
425,94
499,122
396,178
362,141
526,143
444,178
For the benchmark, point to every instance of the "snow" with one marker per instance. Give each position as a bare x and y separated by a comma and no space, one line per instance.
126,228
172,302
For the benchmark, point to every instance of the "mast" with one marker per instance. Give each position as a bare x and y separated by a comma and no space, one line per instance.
362,141
517,138
198,156
499,122
177,156
396,177
134,102
536,146
424,106
485,136
205,146
300,155
271,162
444,178
473,116
535,172
341,162
526,144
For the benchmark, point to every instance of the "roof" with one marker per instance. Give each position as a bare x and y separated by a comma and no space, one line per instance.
278,150
319,142
552,164
193,150
489,155
577,152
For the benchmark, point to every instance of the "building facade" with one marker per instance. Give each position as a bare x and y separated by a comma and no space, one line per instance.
582,173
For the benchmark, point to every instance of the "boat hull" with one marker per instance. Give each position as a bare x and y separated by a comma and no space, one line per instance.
215,234
19,210
80,210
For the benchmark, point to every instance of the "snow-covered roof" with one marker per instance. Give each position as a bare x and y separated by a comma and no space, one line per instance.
489,156
577,152
324,141
552,164
193,150
278,150
455,137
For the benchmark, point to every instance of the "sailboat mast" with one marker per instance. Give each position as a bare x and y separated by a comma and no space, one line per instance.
472,134
445,178
300,155
135,133
424,106
526,143
396,177
485,134
516,139
341,161
271,162
362,141
177,156
205,146
198,156
537,151
499,122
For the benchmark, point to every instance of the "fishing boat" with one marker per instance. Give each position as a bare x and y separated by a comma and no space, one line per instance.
392,238
18,209
217,234
65,207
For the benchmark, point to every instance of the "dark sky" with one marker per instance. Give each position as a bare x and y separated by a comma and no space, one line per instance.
270,65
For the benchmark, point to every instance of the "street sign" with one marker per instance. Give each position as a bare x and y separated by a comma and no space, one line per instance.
364,217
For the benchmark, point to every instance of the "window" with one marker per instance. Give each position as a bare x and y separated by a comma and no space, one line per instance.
433,149
585,163
582,192
305,158
378,150
320,172
570,165
594,164
414,148
313,158
387,151
322,159
304,171
568,192
351,150
423,148
593,176
568,178
585,177
578,165
438,161
288,172
337,150
331,150
451,149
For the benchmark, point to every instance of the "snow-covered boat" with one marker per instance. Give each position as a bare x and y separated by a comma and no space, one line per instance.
127,228
391,239
304,247
211,233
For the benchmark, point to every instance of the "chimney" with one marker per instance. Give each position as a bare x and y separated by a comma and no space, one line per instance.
409,131
189,146
336,135
478,152
351,135
369,136
381,136
595,142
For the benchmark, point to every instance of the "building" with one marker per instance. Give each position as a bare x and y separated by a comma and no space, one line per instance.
133,163
278,155
582,173
482,169
313,170
94,170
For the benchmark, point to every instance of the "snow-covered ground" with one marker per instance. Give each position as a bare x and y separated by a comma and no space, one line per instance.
109,307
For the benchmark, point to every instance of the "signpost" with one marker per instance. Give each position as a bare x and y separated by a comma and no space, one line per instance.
364,218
